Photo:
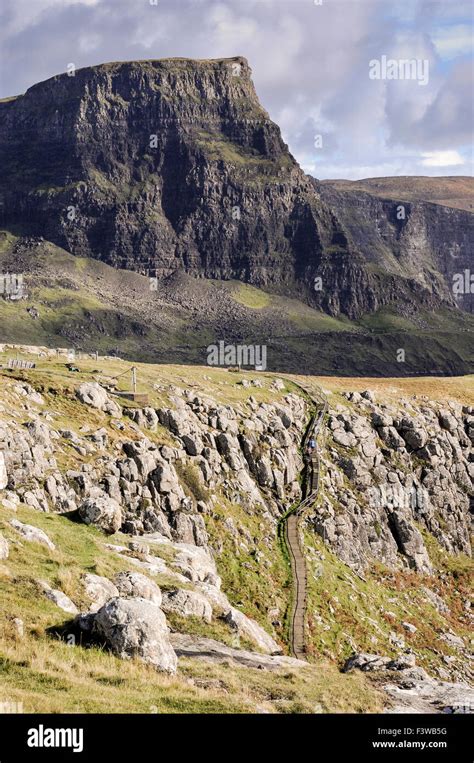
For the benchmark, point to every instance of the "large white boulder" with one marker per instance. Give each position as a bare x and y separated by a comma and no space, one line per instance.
136,628
104,512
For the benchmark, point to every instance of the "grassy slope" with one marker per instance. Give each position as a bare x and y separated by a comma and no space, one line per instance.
50,675
88,305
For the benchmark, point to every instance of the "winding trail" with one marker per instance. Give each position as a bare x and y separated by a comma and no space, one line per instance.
292,534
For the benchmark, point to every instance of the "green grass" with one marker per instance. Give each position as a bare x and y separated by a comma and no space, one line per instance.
355,612
250,296
49,675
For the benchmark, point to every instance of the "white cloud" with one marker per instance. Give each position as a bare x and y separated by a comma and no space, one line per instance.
441,159
309,66
21,14
453,41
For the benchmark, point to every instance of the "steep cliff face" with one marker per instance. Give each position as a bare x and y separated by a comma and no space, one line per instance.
156,166
428,241
166,164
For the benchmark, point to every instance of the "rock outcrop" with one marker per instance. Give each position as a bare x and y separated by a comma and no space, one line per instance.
134,584
201,482
391,469
187,603
429,239
33,534
212,651
135,627
104,512
410,689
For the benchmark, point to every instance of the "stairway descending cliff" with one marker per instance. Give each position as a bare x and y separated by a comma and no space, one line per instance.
292,526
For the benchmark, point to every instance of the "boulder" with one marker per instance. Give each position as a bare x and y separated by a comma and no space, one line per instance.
99,590
91,393
415,438
346,439
410,541
197,564
134,584
250,630
104,512
365,662
136,628
187,603
58,597
33,534
4,547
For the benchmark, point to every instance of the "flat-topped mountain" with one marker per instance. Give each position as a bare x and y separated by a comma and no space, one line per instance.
168,164
174,167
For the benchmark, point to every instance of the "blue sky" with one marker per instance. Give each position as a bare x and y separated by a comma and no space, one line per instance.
310,62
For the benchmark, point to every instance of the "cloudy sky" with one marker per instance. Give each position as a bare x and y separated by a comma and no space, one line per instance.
310,60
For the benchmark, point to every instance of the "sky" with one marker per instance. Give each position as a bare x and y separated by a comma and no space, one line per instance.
342,115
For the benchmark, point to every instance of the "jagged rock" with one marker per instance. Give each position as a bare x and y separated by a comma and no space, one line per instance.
415,437
131,584
421,694
397,640
187,603
455,641
410,540
4,547
344,438
365,662
250,630
136,627
213,651
221,605
436,600
410,688
197,565
381,419
391,437
402,662
91,393
145,418
104,512
448,421
58,597
99,589
33,534
10,500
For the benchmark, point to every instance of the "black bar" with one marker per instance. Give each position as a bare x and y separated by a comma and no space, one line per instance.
313,737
